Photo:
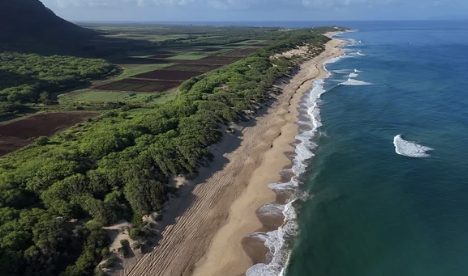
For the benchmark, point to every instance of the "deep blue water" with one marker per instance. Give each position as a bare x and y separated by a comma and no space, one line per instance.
375,212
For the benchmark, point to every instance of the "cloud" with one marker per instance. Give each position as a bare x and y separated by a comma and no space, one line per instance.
345,3
117,3
229,4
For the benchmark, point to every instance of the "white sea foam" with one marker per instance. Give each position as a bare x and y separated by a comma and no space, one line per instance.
258,235
270,209
352,42
276,240
357,71
353,75
351,81
342,71
410,148
353,53
333,60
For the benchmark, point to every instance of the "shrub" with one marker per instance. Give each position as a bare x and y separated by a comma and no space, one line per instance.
42,141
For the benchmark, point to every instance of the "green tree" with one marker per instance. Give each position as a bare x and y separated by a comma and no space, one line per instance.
44,98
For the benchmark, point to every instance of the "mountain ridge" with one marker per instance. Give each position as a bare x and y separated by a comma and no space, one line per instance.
28,25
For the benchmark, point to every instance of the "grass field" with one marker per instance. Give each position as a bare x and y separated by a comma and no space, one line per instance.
139,85
188,56
131,70
89,96
148,37
193,67
250,42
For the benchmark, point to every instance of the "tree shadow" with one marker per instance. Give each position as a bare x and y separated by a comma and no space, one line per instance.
11,79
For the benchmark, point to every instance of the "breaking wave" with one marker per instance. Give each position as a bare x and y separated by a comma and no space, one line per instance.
351,81
410,148
342,71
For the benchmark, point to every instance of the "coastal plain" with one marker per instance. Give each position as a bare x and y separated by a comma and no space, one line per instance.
140,144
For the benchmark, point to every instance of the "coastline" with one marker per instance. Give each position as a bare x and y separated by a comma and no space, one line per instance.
244,231
218,209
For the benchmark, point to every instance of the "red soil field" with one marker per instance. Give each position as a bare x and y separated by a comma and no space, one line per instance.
168,75
193,67
19,133
139,85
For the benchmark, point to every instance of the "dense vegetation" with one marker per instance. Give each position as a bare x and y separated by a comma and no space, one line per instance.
56,195
32,78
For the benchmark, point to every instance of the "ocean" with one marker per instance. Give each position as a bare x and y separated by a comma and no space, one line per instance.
382,161
388,185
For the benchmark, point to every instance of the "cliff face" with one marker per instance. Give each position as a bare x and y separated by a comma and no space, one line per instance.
28,25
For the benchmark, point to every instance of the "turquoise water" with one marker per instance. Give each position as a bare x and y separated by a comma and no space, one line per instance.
378,209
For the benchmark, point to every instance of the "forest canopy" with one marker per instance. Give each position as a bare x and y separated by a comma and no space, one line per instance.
24,77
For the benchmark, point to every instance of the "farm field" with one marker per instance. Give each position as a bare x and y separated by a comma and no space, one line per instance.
149,71
193,67
149,37
130,70
137,60
100,97
239,52
188,56
19,133
139,85
168,75
212,60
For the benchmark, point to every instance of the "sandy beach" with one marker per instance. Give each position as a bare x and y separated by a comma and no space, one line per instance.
216,212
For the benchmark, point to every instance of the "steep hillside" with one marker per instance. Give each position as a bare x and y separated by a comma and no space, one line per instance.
28,25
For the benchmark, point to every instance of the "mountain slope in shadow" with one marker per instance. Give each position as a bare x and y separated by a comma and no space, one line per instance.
29,26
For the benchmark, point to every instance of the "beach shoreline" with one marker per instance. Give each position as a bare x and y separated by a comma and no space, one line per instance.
219,209
238,244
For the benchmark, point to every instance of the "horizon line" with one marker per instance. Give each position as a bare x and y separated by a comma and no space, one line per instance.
260,21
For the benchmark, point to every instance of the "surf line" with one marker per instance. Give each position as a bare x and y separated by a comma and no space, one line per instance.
276,241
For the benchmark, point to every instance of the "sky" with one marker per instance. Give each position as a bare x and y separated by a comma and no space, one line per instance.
255,10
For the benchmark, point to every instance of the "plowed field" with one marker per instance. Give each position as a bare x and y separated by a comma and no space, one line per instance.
17,134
